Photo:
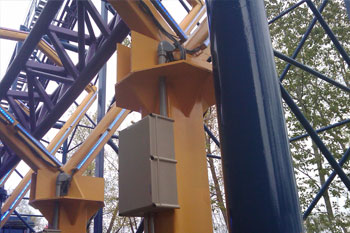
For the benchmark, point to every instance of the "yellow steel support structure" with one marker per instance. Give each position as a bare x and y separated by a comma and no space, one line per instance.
186,22
189,92
140,22
23,146
22,188
86,194
114,116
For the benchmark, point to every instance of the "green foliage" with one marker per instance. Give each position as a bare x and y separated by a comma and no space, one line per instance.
321,103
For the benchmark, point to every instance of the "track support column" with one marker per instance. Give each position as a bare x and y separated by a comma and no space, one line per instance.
260,187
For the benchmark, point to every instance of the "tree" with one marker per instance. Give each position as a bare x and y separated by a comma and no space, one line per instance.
321,103
215,180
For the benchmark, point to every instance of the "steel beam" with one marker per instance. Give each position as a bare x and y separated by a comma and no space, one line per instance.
81,33
310,70
21,95
325,186
51,69
29,44
303,40
86,75
101,110
347,5
212,136
97,17
24,221
307,126
67,62
286,11
341,123
329,32
67,34
261,191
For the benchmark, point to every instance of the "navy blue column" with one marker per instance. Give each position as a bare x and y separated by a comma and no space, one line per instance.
260,187
347,6
101,111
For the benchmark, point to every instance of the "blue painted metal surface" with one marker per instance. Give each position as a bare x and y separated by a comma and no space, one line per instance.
307,126
329,32
259,181
341,123
303,40
347,5
141,227
24,221
101,111
286,11
212,136
184,6
39,145
325,186
100,139
15,201
311,71
170,20
18,224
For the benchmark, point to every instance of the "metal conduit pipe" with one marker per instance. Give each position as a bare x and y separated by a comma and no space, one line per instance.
164,48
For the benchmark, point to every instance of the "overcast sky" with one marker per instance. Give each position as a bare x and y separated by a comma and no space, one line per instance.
12,15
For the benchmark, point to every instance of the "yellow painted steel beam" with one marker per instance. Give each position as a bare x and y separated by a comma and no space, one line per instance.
137,20
73,121
16,196
22,188
23,146
16,35
190,91
85,197
23,107
194,214
195,2
185,23
86,194
88,151
138,75
6,177
198,36
205,54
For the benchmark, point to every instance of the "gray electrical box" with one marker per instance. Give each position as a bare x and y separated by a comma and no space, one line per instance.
147,167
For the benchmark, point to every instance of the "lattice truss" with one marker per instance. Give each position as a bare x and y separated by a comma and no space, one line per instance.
42,82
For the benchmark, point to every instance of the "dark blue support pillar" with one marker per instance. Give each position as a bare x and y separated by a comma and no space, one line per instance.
347,5
101,110
260,187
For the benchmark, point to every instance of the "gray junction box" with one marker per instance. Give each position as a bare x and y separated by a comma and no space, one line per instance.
147,167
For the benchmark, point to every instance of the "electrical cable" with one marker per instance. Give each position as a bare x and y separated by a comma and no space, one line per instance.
172,37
